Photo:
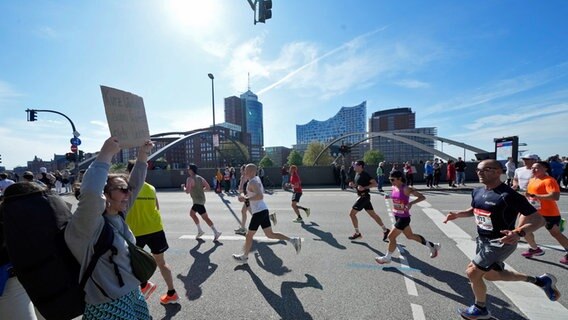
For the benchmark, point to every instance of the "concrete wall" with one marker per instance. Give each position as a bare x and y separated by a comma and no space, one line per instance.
311,176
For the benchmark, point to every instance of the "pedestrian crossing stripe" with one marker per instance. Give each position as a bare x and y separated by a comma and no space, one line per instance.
231,238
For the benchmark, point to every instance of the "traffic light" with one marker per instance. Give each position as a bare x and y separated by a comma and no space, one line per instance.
264,10
71,156
32,115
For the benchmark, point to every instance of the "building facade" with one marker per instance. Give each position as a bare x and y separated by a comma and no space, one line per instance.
401,120
348,120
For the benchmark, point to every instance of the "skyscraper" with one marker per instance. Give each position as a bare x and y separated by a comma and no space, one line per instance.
246,112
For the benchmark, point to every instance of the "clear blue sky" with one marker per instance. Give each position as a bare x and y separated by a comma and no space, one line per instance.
477,70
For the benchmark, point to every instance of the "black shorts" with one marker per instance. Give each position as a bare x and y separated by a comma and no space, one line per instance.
156,241
296,196
363,202
199,208
259,219
401,222
552,221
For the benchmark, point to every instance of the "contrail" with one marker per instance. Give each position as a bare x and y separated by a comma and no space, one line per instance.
341,47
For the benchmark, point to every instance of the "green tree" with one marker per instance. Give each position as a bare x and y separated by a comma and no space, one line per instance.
118,167
266,162
295,158
314,148
373,157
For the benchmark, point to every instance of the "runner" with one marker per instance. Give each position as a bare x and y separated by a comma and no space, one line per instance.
145,221
195,185
255,195
400,196
243,189
542,192
363,183
296,184
495,208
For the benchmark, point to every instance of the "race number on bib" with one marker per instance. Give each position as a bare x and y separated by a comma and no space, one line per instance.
483,219
535,202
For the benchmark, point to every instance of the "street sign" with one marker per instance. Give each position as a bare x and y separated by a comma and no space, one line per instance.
75,141
74,148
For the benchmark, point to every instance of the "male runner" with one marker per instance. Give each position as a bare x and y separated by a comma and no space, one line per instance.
195,185
296,184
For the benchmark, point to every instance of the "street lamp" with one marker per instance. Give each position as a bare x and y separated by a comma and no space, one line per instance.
210,75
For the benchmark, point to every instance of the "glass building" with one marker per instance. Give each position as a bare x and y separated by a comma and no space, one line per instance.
253,124
348,120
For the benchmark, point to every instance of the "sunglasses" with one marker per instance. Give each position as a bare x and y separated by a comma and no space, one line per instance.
124,190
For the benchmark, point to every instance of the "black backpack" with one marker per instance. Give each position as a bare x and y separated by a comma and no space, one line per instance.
34,226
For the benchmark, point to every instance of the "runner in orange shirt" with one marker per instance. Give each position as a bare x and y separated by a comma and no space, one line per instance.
542,192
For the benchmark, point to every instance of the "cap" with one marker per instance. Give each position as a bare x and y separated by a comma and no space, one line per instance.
43,170
531,157
28,175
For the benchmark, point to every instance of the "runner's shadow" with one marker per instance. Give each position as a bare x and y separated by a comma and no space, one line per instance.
171,310
365,244
326,237
267,260
200,270
287,305
460,286
227,203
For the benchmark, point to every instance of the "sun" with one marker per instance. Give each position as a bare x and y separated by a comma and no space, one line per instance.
192,15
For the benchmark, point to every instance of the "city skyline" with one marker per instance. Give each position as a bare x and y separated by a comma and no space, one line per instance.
475,70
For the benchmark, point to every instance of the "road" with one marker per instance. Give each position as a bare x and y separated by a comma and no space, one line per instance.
336,278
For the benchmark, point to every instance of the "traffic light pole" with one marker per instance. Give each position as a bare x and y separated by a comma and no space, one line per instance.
76,134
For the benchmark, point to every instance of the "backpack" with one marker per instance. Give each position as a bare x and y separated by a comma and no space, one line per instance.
34,226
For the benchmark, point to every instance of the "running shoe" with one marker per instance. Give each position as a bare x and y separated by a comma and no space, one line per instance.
199,234
386,235
241,231
549,286
473,312
562,225
308,212
240,257
273,218
383,260
533,252
148,289
298,220
165,299
434,250
217,235
297,242
564,259
356,235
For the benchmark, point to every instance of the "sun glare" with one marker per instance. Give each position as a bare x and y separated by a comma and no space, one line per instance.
193,15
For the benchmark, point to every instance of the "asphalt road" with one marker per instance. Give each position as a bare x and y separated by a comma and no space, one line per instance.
336,278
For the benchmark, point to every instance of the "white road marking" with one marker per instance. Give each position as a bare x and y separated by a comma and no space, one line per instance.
417,312
527,297
230,238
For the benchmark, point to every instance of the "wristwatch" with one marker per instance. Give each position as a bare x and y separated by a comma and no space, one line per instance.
520,232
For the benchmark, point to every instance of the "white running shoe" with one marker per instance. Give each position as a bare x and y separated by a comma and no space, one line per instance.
434,250
241,231
273,218
240,257
383,260
297,242
199,234
308,211
217,235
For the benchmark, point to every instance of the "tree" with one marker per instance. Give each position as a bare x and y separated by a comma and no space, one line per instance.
314,148
295,158
373,157
266,162
118,167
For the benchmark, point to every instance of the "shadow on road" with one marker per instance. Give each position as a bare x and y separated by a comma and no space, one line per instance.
288,306
267,260
326,237
200,270
171,310
462,294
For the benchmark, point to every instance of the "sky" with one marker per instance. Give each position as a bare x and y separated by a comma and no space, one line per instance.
476,70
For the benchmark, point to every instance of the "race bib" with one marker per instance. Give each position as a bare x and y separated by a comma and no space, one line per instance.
398,207
483,219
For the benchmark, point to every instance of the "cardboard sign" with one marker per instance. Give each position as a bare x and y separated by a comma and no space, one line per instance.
126,117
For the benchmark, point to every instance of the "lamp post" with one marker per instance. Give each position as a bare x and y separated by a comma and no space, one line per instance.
210,75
